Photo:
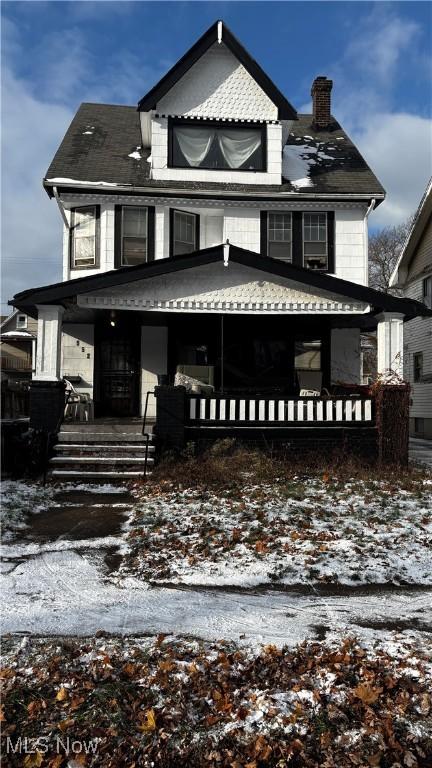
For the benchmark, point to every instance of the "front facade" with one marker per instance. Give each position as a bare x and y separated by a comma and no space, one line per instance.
215,238
413,273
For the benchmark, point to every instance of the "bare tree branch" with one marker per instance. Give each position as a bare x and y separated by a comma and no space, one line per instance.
384,249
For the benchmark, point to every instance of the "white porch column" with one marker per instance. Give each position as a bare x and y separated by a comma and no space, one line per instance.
390,344
48,342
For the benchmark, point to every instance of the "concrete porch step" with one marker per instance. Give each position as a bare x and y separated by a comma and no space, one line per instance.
107,449
100,437
83,476
105,427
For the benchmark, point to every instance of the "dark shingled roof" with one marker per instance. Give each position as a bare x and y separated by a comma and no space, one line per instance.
99,141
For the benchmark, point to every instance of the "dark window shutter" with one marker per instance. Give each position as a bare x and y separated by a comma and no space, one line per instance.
150,233
264,233
117,235
331,240
297,238
197,231
97,235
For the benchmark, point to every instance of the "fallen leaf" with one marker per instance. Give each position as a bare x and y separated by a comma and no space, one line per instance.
366,693
33,759
149,723
62,695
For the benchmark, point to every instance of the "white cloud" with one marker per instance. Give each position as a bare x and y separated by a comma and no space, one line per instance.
398,148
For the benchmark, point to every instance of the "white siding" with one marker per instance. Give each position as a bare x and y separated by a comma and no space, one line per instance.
160,170
345,356
418,338
78,354
242,228
218,86
351,245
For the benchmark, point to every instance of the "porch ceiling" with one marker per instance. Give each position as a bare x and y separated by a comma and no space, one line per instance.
249,278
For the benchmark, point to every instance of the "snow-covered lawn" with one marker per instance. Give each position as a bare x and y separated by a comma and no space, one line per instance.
168,702
298,532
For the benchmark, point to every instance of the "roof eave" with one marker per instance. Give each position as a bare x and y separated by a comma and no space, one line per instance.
421,218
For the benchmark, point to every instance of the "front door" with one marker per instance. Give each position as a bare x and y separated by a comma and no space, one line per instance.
119,372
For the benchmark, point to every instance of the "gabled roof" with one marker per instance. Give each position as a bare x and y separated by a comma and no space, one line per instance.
218,32
418,226
101,151
56,293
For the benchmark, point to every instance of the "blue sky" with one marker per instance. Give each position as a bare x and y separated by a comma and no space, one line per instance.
57,54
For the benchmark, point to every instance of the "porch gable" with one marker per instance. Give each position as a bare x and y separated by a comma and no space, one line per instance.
213,287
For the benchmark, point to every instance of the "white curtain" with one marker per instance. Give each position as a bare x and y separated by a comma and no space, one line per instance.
194,143
238,145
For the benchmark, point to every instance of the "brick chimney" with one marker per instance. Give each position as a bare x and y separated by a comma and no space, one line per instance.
321,100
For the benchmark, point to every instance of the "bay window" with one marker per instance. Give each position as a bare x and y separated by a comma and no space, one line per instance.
184,232
217,146
84,237
315,243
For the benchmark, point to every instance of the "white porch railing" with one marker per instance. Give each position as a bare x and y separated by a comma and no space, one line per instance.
298,411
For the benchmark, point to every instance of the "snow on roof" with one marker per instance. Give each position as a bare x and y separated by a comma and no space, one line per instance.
297,160
27,334
62,180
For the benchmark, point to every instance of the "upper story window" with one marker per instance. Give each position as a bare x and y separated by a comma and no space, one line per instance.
427,291
184,232
21,322
315,243
84,237
134,235
217,146
279,236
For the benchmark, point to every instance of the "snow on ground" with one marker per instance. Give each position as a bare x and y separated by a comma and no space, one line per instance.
65,592
21,499
306,532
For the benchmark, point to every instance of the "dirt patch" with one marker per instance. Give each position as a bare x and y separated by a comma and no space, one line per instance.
395,626
88,497
81,521
317,589
113,559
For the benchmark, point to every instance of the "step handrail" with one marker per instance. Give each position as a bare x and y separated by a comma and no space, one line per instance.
145,433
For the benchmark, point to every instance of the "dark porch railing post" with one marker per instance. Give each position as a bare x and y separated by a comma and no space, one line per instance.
222,354
170,417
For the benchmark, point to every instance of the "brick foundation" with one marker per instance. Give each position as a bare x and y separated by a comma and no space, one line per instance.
47,402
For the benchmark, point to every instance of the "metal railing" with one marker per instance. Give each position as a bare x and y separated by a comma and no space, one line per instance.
144,432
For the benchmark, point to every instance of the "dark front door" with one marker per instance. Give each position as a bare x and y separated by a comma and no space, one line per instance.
119,372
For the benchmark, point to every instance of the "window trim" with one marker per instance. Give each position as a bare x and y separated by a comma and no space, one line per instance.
20,327
417,369
172,213
174,121
118,234
264,235
297,238
427,296
96,264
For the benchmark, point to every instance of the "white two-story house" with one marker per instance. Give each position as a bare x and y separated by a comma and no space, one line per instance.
214,235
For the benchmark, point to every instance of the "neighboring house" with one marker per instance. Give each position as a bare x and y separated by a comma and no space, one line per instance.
212,236
413,273
18,334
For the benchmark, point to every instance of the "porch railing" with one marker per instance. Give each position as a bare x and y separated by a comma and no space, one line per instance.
241,411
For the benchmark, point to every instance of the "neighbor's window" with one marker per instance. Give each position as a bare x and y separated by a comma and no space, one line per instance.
185,232
315,245
418,366
419,426
21,322
134,235
279,236
215,146
83,237
427,291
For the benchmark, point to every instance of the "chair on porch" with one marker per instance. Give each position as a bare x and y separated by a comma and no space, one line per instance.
78,405
310,383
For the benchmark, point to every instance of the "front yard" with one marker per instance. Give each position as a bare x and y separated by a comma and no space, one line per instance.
263,616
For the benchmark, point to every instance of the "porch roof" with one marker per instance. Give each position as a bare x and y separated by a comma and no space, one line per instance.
59,293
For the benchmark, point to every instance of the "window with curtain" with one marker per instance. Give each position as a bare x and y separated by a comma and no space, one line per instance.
279,236
184,232
215,146
315,245
83,237
134,235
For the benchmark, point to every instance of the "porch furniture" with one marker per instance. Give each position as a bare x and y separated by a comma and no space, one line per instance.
79,406
203,373
310,383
